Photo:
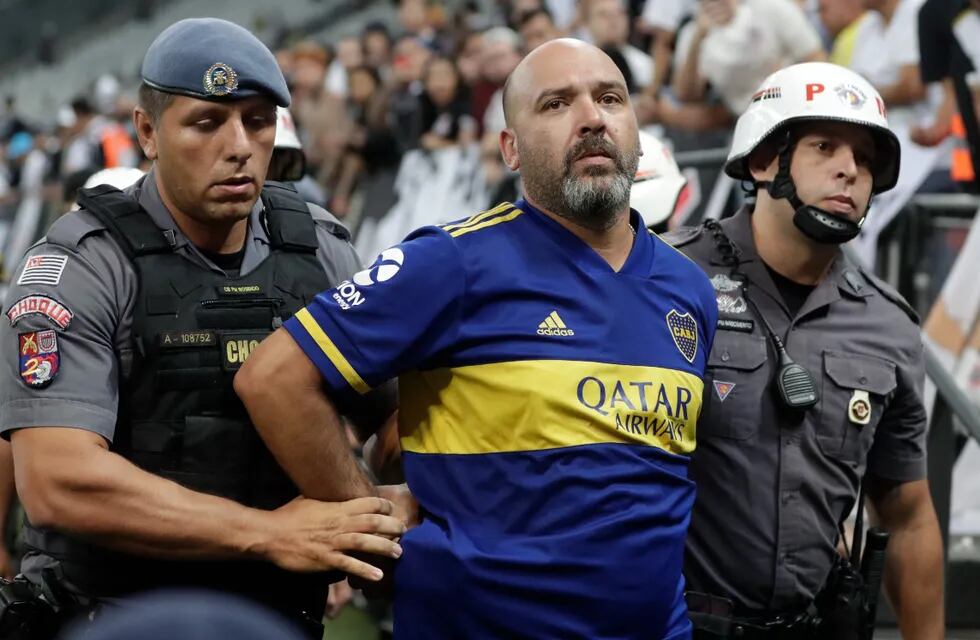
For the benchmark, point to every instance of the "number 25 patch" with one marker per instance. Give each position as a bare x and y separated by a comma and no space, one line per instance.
39,358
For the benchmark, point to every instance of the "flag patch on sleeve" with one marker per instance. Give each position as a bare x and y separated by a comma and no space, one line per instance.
43,269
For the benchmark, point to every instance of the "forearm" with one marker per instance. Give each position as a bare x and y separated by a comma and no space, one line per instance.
914,561
914,580
304,433
103,497
688,84
696,117
284,396
662,55
907,90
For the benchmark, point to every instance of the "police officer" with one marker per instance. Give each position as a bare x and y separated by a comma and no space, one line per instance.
782,449
136,463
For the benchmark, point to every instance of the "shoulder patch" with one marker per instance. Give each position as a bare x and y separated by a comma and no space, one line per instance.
70,229
889,293
682,236
329,221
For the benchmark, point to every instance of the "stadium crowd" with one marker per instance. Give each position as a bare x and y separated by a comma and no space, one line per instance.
433,81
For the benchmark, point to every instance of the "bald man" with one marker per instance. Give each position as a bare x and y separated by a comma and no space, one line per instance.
550,355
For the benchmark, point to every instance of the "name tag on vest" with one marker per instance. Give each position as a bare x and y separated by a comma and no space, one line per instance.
237,347
238,290
187,339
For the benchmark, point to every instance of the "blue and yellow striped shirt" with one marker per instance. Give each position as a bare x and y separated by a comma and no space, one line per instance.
548,408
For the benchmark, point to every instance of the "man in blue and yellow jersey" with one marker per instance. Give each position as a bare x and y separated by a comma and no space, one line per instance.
550,356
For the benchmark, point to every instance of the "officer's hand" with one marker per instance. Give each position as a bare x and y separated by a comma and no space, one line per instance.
309,535
406,507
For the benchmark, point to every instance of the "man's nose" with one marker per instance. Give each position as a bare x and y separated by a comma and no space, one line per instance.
590,117
238,143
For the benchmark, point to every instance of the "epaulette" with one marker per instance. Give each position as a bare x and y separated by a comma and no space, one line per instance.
682,236
70,229
323,217
889,293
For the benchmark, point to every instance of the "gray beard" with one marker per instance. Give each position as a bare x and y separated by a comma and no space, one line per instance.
592,201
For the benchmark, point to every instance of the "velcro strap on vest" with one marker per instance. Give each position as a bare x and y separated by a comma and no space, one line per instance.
290,224
125,219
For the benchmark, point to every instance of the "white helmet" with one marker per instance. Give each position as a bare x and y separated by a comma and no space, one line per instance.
815,91
286,137
288,163
118,177
659,183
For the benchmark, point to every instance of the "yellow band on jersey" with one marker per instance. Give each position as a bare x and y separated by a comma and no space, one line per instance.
532,405
330,350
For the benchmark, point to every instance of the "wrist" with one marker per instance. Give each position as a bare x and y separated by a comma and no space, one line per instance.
254,536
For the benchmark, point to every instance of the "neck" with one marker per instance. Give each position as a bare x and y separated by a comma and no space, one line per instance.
613,244
217,236
786,250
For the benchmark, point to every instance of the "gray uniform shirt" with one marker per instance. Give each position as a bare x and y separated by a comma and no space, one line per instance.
772,488
91,286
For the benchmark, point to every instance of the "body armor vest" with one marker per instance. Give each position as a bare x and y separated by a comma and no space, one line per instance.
179,417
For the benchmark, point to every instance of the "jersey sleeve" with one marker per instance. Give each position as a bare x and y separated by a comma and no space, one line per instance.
387,319
59,362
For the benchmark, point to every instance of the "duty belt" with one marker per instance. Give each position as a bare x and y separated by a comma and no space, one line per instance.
713,618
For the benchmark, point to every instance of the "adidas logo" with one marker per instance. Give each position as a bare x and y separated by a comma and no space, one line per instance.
553,326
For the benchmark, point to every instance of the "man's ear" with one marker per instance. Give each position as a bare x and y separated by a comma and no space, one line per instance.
763,163
146,133
508,149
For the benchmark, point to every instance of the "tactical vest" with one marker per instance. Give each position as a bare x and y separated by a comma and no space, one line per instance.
179,416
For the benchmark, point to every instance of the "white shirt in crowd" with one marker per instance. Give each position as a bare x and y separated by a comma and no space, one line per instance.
762,37
668,14
640,64
881,50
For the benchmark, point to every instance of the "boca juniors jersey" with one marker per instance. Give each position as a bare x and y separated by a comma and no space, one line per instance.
548,406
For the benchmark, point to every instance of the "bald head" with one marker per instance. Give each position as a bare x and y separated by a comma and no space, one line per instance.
554,65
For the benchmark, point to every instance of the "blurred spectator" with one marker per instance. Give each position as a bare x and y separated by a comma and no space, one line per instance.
607,23
349,54
735,44
886,52
501,53
94,141
840,19
423,19
469,56
408,63
10,123
537,27
376,45
308,69
372,147
662,19
445,107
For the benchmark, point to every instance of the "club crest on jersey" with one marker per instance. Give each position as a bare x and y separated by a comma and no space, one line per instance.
39,359
684,330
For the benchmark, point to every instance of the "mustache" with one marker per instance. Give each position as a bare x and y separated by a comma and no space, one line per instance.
594,143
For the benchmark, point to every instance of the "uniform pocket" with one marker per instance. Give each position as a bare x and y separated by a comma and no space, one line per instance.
734,382
847,378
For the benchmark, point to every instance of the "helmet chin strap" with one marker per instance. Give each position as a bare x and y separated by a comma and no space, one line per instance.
817,224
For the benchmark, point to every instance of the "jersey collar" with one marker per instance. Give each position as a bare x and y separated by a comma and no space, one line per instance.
637,263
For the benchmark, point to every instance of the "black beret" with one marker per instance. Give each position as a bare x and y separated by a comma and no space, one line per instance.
213,59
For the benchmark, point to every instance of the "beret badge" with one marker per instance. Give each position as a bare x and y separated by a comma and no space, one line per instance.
220,80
